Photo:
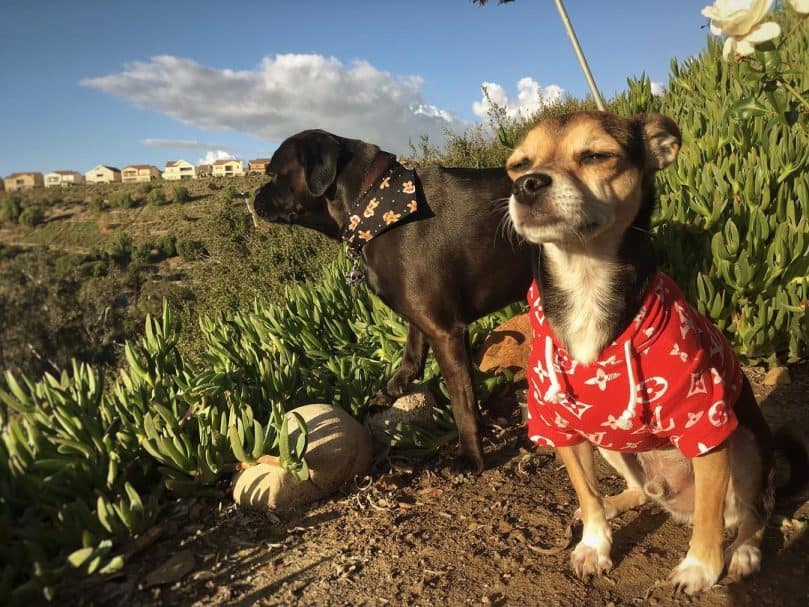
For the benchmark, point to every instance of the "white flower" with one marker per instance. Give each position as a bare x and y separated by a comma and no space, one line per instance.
799,6
740,21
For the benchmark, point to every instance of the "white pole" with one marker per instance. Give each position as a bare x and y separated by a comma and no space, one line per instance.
580,55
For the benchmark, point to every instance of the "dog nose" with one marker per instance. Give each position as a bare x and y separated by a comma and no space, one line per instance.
526,188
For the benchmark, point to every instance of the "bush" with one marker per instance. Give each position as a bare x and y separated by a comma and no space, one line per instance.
190,250
98,204
32,215
142,252
121,249
181,194
230,192
156,197
11,210
120,199
167,245
145,188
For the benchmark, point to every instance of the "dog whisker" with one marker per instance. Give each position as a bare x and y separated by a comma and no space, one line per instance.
506,229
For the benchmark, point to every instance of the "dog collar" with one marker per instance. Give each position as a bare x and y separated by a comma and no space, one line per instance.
390,196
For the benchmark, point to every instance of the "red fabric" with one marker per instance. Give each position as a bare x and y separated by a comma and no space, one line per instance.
686,375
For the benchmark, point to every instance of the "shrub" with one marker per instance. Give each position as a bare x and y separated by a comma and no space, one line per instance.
230,192
11,210
98,204
181,194
32,215
120,199
121,249
54,197
190,250
145,188
156,197
142,252
167,245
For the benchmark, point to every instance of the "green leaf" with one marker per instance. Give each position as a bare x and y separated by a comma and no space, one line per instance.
79,557
746,109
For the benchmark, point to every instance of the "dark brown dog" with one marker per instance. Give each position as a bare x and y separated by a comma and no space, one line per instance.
450,266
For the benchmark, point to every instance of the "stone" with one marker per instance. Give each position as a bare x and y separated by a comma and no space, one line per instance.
507,347
415,407
777,376
339,449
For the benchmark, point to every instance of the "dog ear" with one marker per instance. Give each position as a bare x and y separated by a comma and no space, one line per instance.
319,153
662,138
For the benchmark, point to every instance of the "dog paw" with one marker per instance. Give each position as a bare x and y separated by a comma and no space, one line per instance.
466,463
692,576
380,401
587,560
745,560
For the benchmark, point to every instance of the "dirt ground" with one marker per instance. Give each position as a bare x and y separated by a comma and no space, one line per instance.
420,534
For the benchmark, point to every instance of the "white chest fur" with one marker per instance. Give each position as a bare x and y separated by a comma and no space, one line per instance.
586,280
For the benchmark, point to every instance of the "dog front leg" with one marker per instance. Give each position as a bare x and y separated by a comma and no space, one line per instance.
452,352
411,367
702,566
592,554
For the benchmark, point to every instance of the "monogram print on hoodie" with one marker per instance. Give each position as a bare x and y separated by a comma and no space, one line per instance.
669,378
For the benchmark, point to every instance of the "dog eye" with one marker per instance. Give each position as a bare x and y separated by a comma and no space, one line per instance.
519,165
594,157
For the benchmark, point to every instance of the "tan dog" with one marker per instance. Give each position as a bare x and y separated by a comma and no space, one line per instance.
584,192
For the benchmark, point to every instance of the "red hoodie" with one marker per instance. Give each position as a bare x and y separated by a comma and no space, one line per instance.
670,377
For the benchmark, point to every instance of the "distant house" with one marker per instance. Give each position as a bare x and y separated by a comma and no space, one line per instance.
63,178
23,181
179,169
137,173
204,170
103,174
228,168
258,165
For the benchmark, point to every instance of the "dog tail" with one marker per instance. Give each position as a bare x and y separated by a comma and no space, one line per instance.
796,454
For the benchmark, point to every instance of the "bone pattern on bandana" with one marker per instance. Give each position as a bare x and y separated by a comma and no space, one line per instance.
391,199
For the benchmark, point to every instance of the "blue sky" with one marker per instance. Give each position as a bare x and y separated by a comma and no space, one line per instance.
92,81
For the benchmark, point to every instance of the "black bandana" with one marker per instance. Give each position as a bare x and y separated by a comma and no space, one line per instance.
391,199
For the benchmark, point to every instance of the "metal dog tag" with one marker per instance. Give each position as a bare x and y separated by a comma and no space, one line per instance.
355,276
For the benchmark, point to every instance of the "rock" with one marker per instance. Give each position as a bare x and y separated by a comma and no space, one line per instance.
507,347
777,376
339,449
416,407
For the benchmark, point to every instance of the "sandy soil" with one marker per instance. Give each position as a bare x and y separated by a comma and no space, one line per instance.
420,534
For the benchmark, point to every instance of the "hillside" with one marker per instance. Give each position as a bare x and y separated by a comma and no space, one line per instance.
83,278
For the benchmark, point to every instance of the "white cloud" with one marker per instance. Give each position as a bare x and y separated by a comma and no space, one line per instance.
658,88
214,155
182,144
283,95
531,97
